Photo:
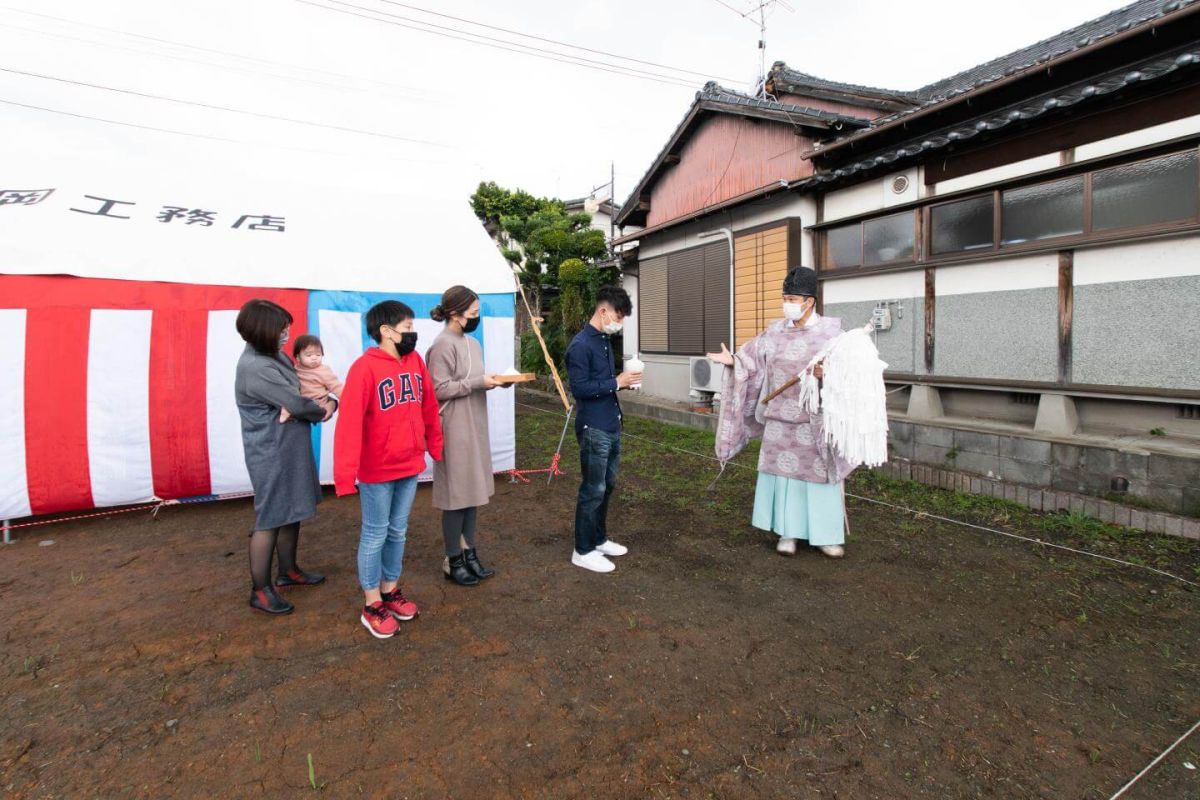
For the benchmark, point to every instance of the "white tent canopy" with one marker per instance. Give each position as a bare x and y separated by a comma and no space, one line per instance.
403,227
117,403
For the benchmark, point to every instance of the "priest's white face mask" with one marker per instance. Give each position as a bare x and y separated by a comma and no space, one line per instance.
796,311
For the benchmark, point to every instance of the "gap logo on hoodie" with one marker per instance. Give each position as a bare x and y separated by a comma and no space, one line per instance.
410,389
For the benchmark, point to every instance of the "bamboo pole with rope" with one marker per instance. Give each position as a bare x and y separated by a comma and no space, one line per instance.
537,331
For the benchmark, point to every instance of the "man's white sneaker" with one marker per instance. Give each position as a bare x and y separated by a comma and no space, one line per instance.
833,550
786,547
611,548
595,561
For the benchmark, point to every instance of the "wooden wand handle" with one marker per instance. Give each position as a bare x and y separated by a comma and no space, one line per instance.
781,390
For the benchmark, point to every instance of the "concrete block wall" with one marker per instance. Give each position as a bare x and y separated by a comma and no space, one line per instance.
1046,500
1169,483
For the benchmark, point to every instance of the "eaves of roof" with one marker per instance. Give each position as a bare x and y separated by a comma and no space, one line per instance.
1112,28
784,79
1059,101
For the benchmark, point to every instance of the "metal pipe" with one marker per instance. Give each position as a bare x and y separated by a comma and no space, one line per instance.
728,232
7,526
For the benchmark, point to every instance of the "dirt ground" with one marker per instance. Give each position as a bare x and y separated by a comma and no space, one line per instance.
933,662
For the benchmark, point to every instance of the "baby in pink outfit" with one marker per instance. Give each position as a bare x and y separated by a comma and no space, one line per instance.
316,380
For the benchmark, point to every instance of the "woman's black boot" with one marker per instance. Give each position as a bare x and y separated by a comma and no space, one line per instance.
298,577
455,569
268,600
471,557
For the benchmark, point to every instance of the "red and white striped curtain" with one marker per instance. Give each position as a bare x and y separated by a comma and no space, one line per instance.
118,392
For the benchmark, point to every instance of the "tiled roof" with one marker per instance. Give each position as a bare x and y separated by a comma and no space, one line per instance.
1080,36
1031,108
715,94
903,103
1060,44
786,79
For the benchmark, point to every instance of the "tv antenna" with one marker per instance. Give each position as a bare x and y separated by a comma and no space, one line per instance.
760,10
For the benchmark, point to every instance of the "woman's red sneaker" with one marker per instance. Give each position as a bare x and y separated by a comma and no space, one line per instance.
378,621
399,606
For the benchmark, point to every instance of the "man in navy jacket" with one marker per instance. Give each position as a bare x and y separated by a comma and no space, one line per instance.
598,426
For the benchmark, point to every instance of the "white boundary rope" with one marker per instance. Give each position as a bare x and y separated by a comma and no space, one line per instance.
1025,539
1154,763
915,512
1146,770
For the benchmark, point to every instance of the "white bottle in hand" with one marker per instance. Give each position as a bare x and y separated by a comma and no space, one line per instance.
635,365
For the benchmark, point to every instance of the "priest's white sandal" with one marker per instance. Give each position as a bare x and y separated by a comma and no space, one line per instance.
786,547
833,550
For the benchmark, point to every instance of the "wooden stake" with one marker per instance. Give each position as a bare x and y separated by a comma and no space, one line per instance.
537,331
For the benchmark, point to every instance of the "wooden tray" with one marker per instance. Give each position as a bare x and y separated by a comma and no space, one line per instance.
524,377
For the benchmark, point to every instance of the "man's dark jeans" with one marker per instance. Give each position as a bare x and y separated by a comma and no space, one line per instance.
599,456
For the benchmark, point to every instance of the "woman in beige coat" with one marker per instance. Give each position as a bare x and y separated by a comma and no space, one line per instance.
462,480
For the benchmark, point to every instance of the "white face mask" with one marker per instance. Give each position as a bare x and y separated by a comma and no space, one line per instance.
613,328
793,311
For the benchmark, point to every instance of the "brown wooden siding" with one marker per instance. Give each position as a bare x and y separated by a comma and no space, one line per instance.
652,305
760,265
728,156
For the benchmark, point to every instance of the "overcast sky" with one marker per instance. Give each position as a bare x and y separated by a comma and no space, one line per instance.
546,126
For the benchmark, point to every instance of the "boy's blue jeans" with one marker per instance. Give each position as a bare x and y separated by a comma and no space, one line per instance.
599,457
385,508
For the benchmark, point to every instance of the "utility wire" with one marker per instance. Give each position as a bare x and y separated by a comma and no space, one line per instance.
533,50
220,108
184,45
743,14
194,135
577,61
555,41
174,57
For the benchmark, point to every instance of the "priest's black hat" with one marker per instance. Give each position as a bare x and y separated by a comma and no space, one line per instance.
801,281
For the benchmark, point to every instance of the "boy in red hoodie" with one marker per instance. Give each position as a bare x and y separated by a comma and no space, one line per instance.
387,420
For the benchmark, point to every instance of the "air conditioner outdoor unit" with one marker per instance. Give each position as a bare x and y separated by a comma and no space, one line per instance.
704,375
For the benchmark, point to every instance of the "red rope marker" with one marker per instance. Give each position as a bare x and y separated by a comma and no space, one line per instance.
108,513
519,474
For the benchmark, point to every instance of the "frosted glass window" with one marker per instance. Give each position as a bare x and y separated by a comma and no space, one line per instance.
844,246
1043,211
888,239
1146,193
962,226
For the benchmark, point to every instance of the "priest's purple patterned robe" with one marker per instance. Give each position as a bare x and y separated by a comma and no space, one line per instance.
793,441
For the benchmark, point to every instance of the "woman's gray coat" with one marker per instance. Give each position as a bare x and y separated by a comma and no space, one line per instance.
279,456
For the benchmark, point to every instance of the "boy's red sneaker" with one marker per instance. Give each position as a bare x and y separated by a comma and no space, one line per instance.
399,606
378,621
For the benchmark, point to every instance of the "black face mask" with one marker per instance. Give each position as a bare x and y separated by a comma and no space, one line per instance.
407,343
471,324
